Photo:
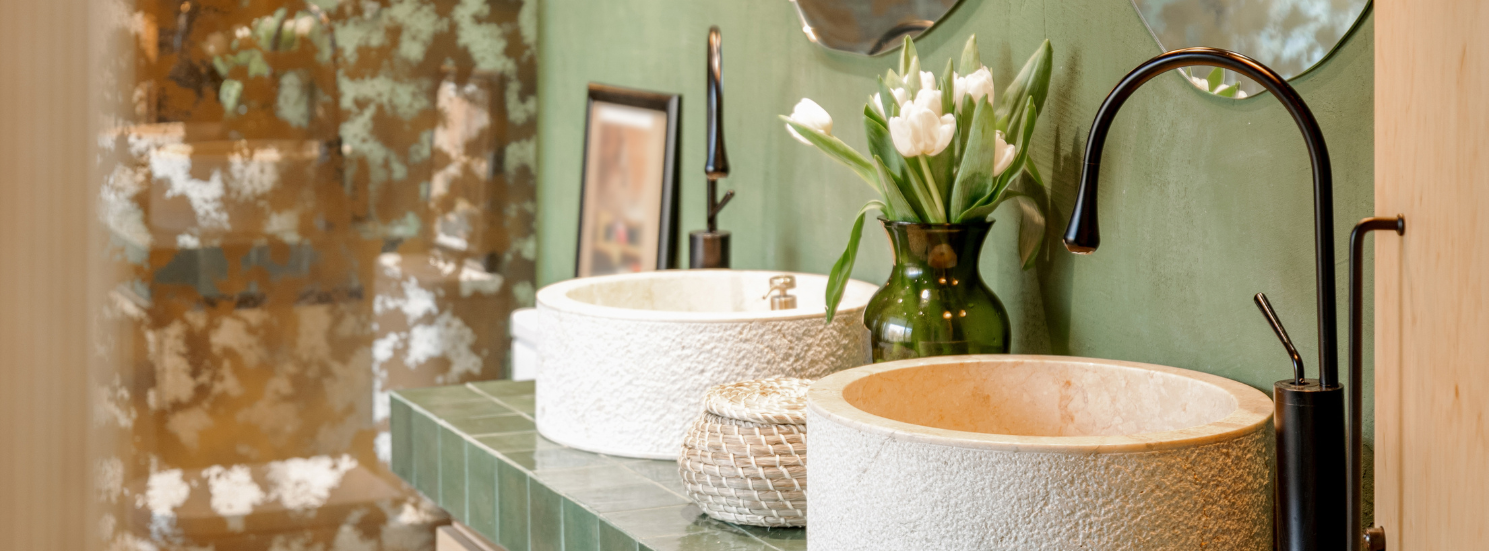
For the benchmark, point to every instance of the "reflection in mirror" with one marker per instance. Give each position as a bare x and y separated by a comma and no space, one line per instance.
1290,36
869,27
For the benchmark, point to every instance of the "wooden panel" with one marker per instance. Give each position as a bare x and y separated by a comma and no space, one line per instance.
44,225
1431,319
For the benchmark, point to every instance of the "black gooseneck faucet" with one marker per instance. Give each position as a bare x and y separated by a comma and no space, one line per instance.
1312,497
710,248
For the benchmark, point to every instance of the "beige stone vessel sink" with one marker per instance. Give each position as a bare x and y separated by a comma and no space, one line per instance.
1037,452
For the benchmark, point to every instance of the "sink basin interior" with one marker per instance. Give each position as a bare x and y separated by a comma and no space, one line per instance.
711,291
1040,398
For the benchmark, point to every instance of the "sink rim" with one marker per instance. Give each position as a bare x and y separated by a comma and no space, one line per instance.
556,297
1253,412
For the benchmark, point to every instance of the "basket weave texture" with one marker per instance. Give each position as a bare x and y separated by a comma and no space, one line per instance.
744,459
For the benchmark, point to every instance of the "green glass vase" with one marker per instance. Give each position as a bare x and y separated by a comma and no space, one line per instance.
935,303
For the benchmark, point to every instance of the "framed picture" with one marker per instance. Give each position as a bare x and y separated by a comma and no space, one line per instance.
628,192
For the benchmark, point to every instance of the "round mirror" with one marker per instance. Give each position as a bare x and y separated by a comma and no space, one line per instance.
1290,36
869,27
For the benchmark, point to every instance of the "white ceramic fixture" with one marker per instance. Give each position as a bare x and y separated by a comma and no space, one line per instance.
527,331
626,359
1037,452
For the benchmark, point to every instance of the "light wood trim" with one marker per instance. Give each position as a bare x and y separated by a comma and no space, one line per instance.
45,220
1432,285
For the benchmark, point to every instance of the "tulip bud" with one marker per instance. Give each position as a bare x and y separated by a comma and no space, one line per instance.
807,113
979,84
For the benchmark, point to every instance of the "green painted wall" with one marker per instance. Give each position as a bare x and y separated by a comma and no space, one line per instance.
1205,200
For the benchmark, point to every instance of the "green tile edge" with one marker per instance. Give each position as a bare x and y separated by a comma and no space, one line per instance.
519,524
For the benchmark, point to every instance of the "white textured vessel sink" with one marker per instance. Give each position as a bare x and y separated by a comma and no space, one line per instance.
1037,452
626,359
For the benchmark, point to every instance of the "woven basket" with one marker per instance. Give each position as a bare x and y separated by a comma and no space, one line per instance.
793,472
730,460
755,520
701,492
758,484
744,459
778,513
746,506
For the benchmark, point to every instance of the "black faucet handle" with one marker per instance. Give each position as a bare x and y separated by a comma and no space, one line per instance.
1266,307
714,210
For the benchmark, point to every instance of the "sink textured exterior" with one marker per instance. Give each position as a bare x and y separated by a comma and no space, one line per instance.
627,359
1084,454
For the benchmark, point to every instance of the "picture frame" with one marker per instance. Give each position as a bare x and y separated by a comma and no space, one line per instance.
628,206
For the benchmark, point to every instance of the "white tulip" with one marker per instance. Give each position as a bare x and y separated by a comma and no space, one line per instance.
927,80
900,97
979,84
921,128
1003,154
807,113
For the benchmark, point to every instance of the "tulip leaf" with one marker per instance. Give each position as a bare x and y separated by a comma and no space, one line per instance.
1031,232
1024,142
870,114
837,280
988,201
944,168
922,193
974,178
964,127
907,54
908,191
971,60
948,89
1034,173
892,78
838,150
911,78
1033,81
1228,91
1216,79
903,211
978,213
881,146
1032,199
887,101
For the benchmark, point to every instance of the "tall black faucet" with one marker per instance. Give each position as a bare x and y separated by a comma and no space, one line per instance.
1311,481
710,248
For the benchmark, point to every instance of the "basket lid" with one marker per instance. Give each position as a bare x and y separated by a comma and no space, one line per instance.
775,401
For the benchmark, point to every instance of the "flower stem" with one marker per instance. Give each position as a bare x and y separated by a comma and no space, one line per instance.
930,183
917,186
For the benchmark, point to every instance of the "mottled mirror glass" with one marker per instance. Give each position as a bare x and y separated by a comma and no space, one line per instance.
307,205
869,27
1290,36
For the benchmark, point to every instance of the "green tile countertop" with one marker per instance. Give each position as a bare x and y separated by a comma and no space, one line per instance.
474,450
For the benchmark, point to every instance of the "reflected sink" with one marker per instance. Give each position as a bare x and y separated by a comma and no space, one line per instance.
626,359
1037,452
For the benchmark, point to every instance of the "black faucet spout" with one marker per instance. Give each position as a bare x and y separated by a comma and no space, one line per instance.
1083,236
717,165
